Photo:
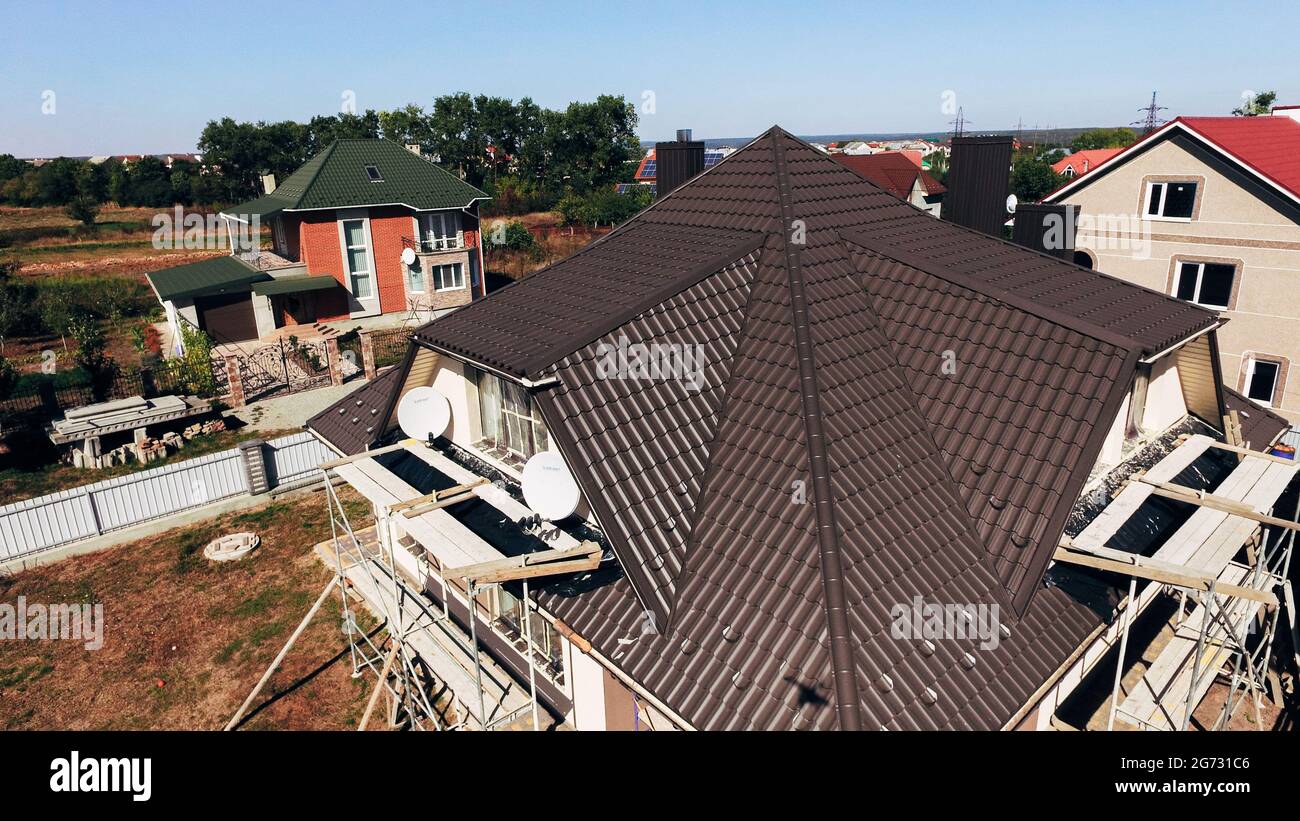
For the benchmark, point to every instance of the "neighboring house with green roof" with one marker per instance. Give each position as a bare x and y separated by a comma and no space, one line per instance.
366,227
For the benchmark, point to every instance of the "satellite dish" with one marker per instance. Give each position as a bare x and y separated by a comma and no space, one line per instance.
423,413
1011,203
408,256
549,488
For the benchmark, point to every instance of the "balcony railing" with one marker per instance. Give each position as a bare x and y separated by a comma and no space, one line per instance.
435,244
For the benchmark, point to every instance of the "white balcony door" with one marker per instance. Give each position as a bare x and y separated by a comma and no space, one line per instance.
359,263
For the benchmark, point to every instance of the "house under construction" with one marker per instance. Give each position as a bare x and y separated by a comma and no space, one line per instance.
869,414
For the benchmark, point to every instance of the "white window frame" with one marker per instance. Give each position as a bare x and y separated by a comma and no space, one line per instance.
1250,376
369,305
444,239
436,273
1200,281
1164,195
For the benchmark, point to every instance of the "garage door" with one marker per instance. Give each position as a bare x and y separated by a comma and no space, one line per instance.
227,317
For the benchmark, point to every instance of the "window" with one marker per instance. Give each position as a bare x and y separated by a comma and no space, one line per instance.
512,427
1261,380
373,173
441,231
1171,200
1208,284
448,277
1083,258
358,258
415,279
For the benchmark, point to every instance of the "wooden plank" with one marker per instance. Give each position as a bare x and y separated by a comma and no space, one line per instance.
437,495
585,556
1254,454
1163,573
1229,506
333,463
440,504
1132,496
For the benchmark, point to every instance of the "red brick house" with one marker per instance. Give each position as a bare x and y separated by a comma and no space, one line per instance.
364,228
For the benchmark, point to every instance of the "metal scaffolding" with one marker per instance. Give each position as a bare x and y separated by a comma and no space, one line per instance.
1231,629
420,656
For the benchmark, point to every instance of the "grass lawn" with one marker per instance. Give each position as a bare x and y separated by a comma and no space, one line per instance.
185,640
28,481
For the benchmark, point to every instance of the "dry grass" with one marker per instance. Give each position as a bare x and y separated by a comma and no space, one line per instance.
185,640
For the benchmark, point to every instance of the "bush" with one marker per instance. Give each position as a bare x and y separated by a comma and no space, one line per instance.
511,236
83,209
8,378
603,207
191,372
92,355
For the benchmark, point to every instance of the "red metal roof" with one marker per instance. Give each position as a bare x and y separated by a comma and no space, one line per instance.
1268,145
893,171
1084,161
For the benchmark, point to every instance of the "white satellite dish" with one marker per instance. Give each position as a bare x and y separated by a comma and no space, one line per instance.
1011,203
423,412
408,256
549,489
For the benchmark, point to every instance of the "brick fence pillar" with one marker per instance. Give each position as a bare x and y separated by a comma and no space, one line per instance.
367,354
236,382
334,360
253,459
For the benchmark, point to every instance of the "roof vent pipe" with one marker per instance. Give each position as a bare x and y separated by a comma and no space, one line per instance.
683,135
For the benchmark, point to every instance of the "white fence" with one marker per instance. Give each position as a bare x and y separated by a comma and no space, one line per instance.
50,521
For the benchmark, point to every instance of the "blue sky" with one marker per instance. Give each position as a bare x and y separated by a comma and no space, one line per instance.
144,77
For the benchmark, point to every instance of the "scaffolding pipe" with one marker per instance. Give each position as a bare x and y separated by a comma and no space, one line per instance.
478,660
284,651
528,655
1129,607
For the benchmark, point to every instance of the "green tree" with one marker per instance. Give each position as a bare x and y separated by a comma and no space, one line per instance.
1257,104
56,313
150,183
1033,179
1104,138
92,354
408,125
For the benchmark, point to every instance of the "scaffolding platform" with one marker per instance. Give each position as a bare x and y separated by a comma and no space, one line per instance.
434,639
1159,699
1199,559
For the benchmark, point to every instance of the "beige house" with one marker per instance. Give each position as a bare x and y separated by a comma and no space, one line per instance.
1207,209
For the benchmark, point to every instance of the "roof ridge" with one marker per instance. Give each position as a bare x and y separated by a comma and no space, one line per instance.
847,702
961,278
324,157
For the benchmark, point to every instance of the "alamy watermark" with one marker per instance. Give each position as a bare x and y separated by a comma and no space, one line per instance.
655,361
1099,232
52,622
177,230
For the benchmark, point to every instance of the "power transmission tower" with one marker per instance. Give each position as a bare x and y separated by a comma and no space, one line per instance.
959,124
1152,121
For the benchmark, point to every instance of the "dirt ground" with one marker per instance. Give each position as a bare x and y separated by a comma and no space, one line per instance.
185,640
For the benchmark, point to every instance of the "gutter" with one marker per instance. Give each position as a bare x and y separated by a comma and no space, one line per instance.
544,382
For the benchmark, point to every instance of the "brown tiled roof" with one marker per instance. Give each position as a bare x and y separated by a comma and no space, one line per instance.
822,376
357,421
892,171
1260,427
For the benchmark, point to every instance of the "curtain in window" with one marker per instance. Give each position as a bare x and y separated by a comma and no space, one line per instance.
489,405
